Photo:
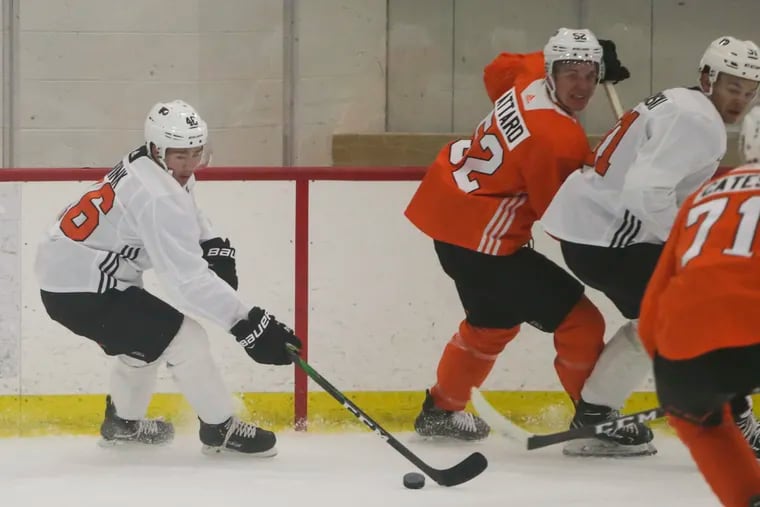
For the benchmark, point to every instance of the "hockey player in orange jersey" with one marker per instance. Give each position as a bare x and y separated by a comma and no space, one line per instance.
741,406
699,321
478,202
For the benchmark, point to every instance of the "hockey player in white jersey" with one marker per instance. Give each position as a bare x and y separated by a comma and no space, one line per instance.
613,216
143,215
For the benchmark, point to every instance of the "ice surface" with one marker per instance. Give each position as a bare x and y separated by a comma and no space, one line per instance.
349,469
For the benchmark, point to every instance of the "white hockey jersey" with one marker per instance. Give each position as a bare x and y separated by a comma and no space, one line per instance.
647,165
137,218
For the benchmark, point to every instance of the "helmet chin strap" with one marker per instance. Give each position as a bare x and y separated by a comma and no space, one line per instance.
159,159
162,163
711,78
551,89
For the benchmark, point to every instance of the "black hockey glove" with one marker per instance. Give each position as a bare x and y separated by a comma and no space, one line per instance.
221,259
614,71
263,337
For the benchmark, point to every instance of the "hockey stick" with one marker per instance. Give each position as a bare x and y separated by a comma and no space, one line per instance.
496,421
463,471
538,441
613,99
500,423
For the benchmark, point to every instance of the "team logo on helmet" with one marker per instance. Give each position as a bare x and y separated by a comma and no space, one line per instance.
732,56
163,111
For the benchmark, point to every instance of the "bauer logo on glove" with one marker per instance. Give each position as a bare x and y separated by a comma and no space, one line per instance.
220,256
251,338
264,338
221,252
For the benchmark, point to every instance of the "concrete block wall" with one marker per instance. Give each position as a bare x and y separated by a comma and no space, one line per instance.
89,71
661,41
4,118
85,72
341,73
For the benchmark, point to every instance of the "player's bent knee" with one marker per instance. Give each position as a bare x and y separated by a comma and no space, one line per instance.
584,315
190,342
552,312
592,316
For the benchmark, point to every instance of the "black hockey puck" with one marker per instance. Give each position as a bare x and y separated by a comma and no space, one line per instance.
413,480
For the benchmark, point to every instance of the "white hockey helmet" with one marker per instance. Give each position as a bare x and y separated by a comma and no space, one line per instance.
749,137
732,56
174,124
571,44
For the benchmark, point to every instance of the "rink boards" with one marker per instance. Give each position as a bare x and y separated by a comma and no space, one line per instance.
335,258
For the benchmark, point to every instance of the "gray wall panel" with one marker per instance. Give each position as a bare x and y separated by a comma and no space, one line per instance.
629,24
420,66
485,28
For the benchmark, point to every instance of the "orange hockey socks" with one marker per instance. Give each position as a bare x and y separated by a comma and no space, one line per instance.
724,457
466,362
579,340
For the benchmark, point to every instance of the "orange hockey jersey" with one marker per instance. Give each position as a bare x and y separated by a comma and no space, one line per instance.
705,292
485,193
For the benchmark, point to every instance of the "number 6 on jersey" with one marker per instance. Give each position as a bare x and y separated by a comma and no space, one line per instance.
80,220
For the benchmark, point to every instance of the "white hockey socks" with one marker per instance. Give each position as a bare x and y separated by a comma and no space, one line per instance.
620,369
188,358
131,386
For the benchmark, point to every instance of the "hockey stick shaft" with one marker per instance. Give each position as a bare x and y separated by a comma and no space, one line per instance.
538,441
467,469
507,428
613,99
496,421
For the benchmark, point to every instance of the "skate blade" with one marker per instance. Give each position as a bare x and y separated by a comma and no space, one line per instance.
596,448
128,444
443,439
209,450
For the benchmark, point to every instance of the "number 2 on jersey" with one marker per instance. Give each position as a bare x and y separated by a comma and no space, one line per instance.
80,220
745,230
609,144
460,154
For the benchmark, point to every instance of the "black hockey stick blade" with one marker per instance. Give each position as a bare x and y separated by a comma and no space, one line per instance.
469,468
538,441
